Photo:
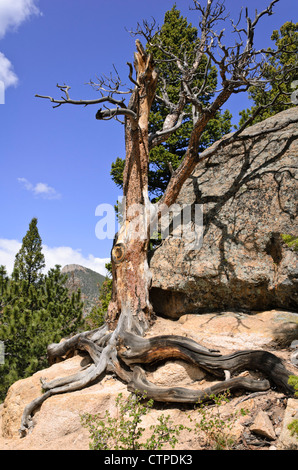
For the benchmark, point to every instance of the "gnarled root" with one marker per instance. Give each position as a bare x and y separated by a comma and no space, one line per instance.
136,350
184,395
122,351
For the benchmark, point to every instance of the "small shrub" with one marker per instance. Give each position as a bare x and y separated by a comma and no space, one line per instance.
290,240
293,426
217,430
125,432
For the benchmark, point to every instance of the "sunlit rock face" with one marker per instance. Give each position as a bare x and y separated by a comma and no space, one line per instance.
248,193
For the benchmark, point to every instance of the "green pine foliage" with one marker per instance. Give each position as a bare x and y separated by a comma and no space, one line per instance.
35,311
29,261
180,37
280,71
293,426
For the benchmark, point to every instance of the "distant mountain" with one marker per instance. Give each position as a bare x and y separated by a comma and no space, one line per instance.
85,279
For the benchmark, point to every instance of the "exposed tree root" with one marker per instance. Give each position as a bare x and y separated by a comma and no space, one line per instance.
184,395
136,350
122,352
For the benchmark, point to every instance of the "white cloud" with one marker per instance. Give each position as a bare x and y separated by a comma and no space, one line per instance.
7,75
12,14
62,255
40,189
15,12
8,251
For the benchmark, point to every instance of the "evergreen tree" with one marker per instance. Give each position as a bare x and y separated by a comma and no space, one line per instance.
179,37
29,261
64,311
32,318
280,73
35,311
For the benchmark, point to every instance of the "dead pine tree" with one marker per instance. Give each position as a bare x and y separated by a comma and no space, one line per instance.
119,346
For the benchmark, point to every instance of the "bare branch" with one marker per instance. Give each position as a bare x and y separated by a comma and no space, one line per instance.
120,110
146,30
68,100
239,66
110,85
210,15
130,74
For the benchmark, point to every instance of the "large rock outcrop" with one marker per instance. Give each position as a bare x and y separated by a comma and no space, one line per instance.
248,191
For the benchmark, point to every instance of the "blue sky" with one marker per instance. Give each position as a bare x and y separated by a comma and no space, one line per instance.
55,163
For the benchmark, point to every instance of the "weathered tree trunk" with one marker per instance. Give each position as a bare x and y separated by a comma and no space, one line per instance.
130,268
131,283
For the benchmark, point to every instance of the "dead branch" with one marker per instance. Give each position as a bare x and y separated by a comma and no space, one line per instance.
240,67
110,85
68,100
121,109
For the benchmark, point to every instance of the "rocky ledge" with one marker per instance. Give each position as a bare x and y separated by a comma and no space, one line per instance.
57,424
